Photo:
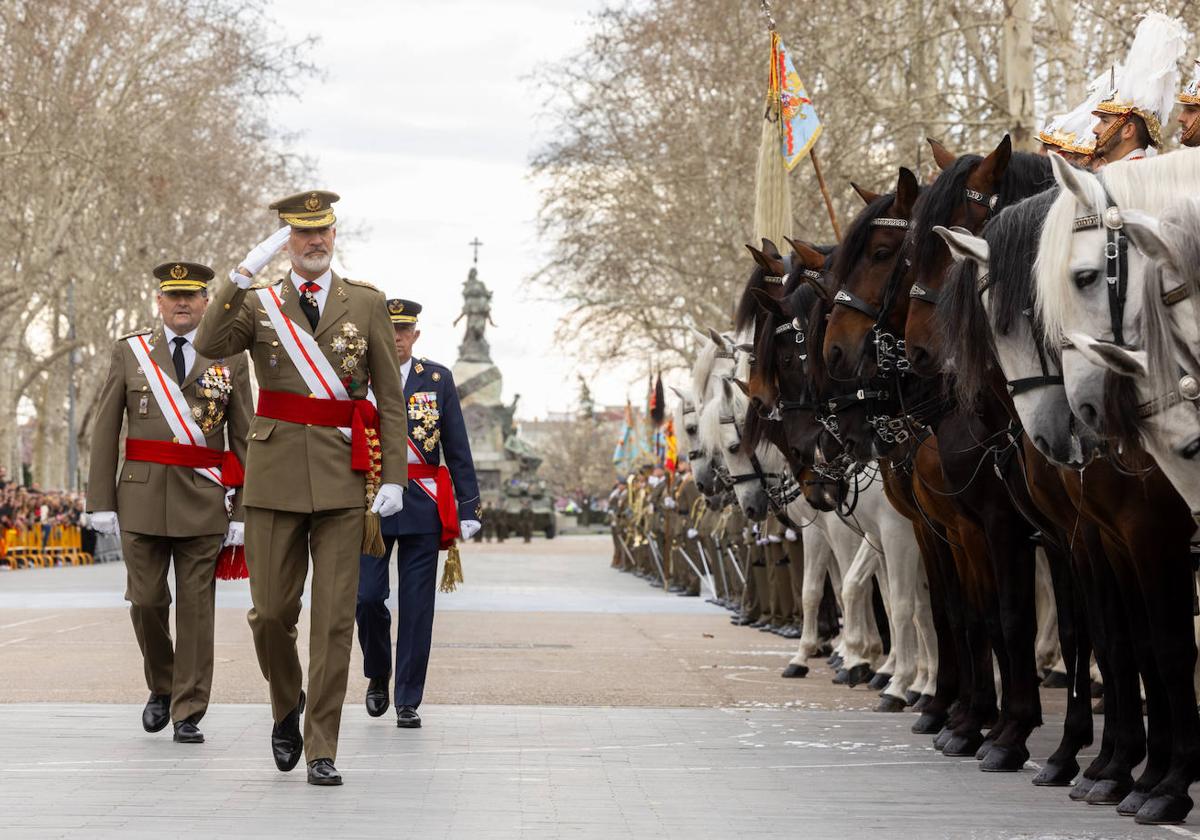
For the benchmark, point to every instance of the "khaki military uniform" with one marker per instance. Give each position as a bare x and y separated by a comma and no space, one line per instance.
169,512
687,498
301,494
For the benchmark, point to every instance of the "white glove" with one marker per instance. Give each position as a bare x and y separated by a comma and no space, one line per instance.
105,522
389,500
760,541
236,535
240,280
692,533
470,527
261,253
669,503
774,538
790,535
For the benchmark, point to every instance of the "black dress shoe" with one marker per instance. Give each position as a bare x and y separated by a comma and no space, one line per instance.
407,718
377,696
157,713
322,772
287,744
186,732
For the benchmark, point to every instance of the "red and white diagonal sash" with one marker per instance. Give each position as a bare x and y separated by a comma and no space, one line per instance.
426,484
172,404
316,371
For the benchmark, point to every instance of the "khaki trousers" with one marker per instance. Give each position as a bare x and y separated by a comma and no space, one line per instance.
278,544
184,669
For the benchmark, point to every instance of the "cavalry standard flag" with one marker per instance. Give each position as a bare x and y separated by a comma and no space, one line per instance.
799,123
671,460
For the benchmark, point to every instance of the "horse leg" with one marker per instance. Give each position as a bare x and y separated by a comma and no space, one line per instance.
818,555
859,624
903,565
1069,587
941,634
1047,648
1166,587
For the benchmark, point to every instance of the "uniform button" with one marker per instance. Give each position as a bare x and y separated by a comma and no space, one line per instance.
174,440
274,343
254,434
130,476
227,306
309,425
145,387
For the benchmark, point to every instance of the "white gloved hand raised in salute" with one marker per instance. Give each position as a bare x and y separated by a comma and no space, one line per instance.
259,256
388,500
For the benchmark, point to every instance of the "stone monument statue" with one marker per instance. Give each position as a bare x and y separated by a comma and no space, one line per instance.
500,456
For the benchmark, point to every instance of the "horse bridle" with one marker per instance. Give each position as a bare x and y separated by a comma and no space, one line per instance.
779,497
1116,260
986,200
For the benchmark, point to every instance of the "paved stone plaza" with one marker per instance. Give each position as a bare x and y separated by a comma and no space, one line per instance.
565,700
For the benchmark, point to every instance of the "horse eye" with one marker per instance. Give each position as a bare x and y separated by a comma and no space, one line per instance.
1083,279
881,254
734,447
691,429
1191,450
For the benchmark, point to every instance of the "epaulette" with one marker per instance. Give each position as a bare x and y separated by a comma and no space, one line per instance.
138,331
363,283
266,284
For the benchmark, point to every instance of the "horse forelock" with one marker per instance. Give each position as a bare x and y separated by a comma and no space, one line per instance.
709,428
855,241
1054,299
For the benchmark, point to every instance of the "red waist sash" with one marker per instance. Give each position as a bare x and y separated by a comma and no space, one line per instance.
446,505
185,455
360,416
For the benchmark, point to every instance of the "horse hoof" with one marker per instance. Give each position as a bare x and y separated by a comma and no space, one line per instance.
922,702
890,704
1081,789
942,737
840,677
1109,791
984,748
859,674
1004,759
1164,809
793,671
1097,690
1133,803
879,681
929,724
911,697
1055,679
834,661
961,746
1056,775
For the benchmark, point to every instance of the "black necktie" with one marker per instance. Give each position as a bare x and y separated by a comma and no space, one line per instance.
308,303
177,358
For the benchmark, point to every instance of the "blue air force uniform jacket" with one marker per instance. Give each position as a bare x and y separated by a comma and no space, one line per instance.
436,430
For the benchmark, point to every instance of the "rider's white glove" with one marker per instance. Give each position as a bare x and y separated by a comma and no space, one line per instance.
774,538
262,253
692,533
388,500
669,503
790,535
470,527
236,535
105,522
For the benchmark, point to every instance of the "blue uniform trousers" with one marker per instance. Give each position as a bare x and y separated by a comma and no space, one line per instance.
416,560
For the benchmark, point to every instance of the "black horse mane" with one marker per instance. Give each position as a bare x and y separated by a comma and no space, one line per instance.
1012,238
1026,174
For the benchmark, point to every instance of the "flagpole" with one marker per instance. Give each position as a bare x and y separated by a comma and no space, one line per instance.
837,231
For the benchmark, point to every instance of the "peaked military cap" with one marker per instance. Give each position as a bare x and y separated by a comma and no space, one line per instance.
183,276
403,311
312,209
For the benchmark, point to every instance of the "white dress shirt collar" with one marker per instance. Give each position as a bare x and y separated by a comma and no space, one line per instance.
324,281
189,349
404,370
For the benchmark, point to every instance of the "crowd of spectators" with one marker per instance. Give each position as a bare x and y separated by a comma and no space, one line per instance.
23,508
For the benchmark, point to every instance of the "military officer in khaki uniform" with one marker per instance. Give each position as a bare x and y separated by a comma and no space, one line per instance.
316,450
169,498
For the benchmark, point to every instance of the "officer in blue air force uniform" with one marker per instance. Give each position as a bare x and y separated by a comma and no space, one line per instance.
435,429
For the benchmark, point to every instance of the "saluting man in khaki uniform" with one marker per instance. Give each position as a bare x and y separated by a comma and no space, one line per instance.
318,456
174,494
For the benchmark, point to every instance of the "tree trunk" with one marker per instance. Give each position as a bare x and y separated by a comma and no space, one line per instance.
1018,73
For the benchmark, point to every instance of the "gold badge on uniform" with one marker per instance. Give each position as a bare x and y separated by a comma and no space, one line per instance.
312,204
437,377
178,272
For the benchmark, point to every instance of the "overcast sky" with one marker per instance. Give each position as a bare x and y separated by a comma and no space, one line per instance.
424,122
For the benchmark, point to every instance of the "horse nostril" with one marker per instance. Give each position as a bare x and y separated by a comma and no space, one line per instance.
1088,414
